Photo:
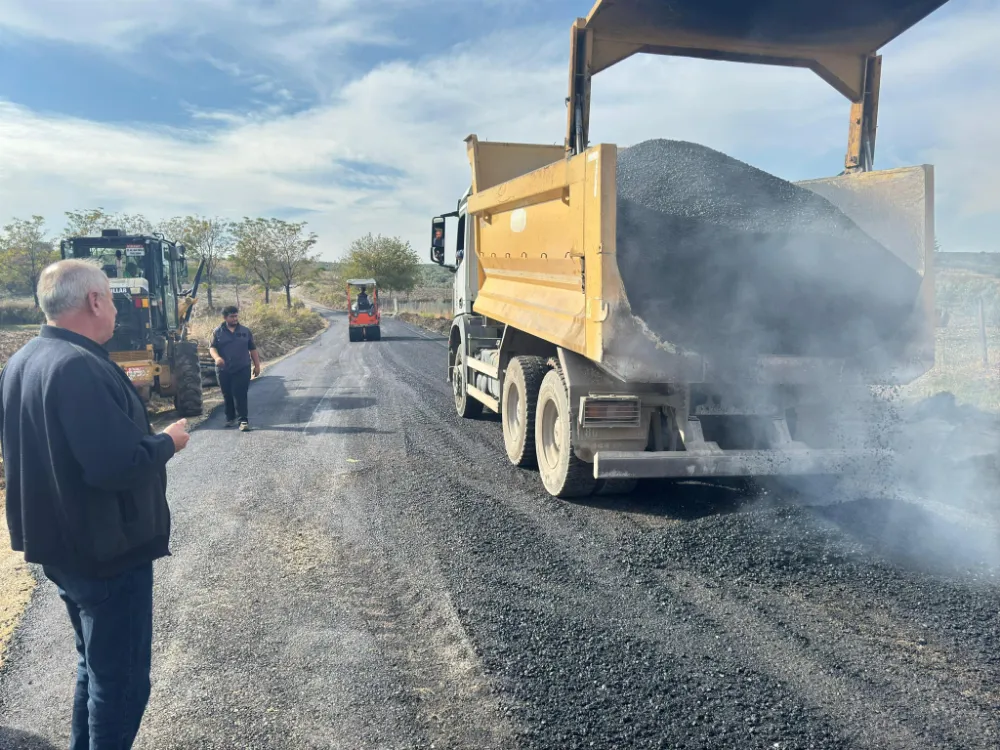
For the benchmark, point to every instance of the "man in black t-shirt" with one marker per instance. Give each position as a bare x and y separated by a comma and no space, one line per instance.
233,350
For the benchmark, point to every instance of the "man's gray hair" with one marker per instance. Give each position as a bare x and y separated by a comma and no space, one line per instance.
65,285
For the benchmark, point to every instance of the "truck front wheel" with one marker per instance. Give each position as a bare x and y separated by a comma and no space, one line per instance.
466,406
520,398
563,474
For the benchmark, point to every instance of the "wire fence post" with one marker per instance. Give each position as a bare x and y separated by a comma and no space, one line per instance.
982,334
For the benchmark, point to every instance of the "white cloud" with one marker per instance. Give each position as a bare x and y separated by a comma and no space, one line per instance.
413,117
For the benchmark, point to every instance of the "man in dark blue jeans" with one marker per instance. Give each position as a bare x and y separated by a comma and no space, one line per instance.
233,349
86,495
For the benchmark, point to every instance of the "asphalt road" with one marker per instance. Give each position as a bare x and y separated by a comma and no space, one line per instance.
365,570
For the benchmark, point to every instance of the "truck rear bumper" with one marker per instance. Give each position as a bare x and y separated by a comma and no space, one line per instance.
693,464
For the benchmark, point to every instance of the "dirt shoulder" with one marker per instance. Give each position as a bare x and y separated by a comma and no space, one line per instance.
16,581
16,584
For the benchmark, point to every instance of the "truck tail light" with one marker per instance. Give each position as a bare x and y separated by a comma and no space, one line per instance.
610,411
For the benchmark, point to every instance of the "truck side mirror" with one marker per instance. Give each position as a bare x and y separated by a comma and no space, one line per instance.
437,240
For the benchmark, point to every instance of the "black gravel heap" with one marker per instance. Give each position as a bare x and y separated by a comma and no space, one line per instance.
721,258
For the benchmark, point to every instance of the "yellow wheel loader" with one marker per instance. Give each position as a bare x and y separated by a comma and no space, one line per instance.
150,342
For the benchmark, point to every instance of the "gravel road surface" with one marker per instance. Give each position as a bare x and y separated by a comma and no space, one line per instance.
365,570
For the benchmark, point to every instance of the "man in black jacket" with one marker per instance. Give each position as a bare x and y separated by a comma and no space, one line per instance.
86,495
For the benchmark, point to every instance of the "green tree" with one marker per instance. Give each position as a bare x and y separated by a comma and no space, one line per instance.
388,260
291,249
255,253
24,254
89,223
85,223
208,240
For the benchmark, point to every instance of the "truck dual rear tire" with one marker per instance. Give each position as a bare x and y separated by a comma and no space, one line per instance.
563,474
520,399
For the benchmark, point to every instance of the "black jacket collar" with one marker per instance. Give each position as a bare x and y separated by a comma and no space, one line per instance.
54,332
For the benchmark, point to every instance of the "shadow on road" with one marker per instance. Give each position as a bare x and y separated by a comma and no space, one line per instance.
680,501
14,739
435,338
288,410
323,430
910,536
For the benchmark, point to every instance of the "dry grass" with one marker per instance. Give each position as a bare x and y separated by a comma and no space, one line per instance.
12,339
959,367
438,323
16,312
276,329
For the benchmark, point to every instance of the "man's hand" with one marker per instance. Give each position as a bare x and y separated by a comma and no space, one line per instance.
179,434
220,362
256,371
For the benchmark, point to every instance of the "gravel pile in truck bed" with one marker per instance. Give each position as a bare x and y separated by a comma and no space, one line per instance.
722,258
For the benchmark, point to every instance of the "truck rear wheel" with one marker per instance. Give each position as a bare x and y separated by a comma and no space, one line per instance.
466,406
520,399
187,375
563,474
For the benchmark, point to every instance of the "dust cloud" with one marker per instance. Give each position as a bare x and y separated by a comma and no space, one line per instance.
725,260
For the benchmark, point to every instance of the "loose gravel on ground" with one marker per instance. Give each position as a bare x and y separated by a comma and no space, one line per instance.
365,570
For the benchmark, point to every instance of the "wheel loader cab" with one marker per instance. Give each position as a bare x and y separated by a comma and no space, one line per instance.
150,339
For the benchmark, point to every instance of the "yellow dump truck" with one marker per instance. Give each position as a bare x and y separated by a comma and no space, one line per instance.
546,331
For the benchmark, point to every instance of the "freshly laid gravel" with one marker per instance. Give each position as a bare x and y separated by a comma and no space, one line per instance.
721,258
366,570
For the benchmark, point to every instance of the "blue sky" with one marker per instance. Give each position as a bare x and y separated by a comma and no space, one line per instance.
351,113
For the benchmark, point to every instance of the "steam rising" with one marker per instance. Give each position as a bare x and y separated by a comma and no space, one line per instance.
723,260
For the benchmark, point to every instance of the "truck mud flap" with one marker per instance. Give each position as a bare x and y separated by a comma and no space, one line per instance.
693,464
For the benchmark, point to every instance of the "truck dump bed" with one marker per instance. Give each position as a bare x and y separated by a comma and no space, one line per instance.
557,261
663,275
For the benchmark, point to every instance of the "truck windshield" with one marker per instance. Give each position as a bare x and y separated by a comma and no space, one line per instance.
119,263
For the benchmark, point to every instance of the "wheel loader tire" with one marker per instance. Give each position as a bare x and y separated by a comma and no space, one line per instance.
466,406
517,409
375,333
209,375
354,335
563,474
187,375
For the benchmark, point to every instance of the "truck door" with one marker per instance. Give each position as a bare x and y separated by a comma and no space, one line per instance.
467,276
168,296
